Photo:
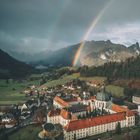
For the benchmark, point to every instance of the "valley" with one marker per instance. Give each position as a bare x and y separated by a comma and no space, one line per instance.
39,90
30,94
69,70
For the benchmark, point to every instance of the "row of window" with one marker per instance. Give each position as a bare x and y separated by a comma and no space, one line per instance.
94,130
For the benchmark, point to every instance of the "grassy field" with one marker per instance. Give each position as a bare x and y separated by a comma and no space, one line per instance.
60,81
96,78
26,133
69,78
10,93
115,90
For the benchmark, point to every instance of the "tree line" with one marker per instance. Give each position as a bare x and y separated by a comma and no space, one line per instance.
114,70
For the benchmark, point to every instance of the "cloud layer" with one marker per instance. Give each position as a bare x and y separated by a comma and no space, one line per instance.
37,25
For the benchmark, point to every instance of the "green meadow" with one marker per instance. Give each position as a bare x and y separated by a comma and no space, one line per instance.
11,92
27,133
115,90
68,78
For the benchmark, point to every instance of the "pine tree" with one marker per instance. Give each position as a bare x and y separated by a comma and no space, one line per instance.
118,129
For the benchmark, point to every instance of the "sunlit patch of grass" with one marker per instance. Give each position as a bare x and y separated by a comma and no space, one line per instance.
10,93
115,90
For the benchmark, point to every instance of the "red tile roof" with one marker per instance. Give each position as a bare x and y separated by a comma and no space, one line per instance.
130,113
55,112
90,122
65,114
118,108
61,102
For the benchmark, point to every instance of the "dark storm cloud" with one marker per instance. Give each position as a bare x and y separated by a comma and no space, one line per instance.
36,25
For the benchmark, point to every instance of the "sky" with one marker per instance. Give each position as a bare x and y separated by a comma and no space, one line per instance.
32,26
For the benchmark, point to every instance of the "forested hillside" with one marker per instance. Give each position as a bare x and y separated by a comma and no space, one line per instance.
114,70
12,68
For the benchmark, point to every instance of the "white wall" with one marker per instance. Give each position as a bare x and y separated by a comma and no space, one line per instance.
82,133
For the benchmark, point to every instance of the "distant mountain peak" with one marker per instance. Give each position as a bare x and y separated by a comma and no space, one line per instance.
93,53
134,47
108,42
137,44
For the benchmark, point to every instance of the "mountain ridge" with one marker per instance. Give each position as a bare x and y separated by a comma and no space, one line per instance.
12,68
93,53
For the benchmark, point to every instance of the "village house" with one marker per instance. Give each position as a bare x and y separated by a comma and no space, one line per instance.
94,83
8,120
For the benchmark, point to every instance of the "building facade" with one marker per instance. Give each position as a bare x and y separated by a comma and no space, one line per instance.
77,123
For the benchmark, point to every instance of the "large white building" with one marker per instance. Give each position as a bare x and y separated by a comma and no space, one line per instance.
75,128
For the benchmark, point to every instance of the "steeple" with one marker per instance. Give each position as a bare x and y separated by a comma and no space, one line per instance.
102,95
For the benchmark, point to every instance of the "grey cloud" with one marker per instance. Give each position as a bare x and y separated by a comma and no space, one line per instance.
36,25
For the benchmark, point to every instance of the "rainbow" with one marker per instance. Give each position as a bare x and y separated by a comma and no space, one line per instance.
86,35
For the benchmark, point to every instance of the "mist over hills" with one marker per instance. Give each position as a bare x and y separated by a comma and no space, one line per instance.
94,53
25,57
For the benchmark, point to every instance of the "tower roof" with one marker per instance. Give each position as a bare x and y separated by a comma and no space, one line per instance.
65,114
103,96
